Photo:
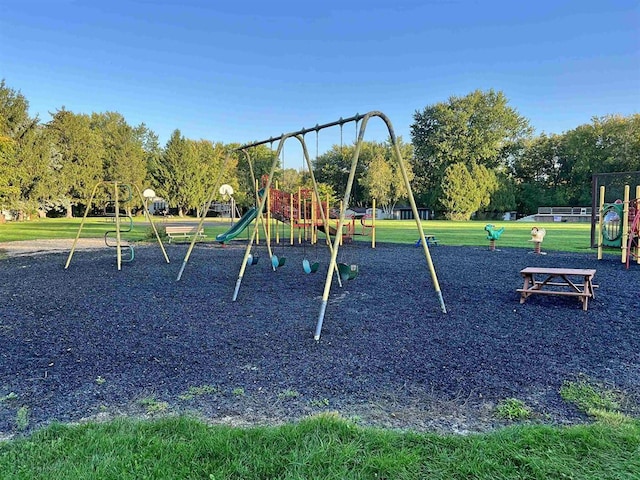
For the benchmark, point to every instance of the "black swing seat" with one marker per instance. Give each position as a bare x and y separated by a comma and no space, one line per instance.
347,272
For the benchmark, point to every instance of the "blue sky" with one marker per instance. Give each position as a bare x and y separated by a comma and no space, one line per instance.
246,71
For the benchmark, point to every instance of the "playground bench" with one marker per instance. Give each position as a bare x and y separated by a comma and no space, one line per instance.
560,282
184,233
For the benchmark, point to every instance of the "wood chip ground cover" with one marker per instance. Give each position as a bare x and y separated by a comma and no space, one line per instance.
94,342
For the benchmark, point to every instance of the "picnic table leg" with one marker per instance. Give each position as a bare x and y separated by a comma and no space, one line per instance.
588,291
589,285
527,280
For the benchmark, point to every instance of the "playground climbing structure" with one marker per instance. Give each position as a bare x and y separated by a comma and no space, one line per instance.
302,211
619,225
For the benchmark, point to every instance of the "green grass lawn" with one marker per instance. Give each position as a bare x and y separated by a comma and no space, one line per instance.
327,446
573,237
321,447
50,228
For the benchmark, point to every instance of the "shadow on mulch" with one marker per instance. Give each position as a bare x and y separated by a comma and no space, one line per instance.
93,342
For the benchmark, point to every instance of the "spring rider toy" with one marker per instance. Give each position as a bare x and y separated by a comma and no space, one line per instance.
493,234
537,235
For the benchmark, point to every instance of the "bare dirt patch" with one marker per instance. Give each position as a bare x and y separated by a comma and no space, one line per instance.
37,247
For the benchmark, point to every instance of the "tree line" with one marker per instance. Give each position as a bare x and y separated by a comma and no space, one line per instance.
470,155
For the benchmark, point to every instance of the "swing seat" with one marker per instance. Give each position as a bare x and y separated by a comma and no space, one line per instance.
347,272
252,260
278,262
310,267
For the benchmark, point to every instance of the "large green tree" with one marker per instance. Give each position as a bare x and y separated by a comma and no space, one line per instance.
504,198
540,172
556,170
332,168
173,171
217,167
38,174
187,171
17,133
124,158
609,144
78,151
479,128
256,161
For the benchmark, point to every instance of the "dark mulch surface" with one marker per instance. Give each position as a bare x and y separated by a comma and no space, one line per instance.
91,341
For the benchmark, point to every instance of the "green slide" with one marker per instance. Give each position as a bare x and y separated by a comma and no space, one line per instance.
243,223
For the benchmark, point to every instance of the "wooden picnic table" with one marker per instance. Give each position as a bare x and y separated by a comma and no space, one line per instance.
577,282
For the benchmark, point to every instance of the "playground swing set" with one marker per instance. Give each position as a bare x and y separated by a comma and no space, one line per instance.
335,243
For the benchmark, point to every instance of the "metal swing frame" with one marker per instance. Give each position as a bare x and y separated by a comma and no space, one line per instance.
118,229
333,267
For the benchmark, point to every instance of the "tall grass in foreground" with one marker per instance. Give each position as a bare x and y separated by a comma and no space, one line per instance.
321,447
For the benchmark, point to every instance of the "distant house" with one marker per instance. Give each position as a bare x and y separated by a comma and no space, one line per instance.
406,213
563,214
159,206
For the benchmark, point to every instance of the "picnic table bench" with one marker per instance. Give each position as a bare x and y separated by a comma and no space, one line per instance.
431,241
184,232
558,281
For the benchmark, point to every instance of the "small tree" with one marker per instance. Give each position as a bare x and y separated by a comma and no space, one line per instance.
464,191
377,181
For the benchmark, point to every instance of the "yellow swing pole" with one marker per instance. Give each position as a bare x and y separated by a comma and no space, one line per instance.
267,232
153,226
118,240
328,208
291,217
373,224
434,278
257,203
600,222
333,264
299,214
316,193
275,221
625,224
213,192
84,218
416,214
263,199
313,234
